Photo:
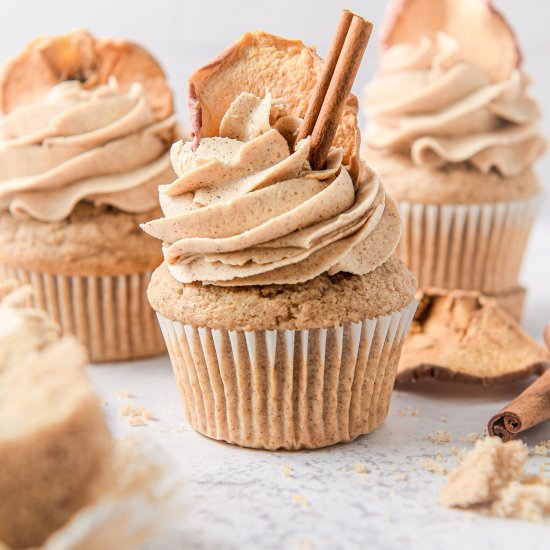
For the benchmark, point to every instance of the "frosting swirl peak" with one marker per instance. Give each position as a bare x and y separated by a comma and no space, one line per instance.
428,101
247,209
104,146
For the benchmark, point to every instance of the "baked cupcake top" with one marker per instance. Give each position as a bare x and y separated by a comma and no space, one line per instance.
451,90
87,120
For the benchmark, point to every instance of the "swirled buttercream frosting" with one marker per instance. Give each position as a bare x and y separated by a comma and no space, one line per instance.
103,146
247,209
429,102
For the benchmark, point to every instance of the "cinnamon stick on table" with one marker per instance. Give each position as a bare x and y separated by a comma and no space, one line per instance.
530,408
334,85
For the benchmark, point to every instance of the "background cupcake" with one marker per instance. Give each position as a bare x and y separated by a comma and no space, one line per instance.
281,304
453,134
83,146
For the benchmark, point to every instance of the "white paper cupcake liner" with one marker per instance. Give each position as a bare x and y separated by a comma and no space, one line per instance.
471,247
287,389
110,315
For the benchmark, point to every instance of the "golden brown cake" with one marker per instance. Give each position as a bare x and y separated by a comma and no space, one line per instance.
84,144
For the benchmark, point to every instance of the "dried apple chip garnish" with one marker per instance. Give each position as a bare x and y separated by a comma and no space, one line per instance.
484,35
258,62
463,336
49,60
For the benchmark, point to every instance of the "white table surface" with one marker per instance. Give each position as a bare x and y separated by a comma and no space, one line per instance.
238,498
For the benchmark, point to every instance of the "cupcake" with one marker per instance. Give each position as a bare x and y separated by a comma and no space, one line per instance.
449,109
47,428
84,145
280,300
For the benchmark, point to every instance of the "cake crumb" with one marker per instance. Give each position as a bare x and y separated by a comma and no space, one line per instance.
125,394
432,466
400,476
443,419
454,451
305,544
538,450
470,438
300,500
544,444
439,437
148,414
360,468
491,480
136,421
287,471
126,409
409,412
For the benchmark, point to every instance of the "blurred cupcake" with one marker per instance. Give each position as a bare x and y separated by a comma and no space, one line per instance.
83,146
282,307
454,134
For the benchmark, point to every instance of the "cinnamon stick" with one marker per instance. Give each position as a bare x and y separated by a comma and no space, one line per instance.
334,101
323,82
530,408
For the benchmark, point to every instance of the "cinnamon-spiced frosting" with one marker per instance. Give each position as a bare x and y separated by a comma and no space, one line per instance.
247,209
103,146
429,102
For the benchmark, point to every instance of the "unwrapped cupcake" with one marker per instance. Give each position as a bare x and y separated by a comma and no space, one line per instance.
280,300
453,133
83,146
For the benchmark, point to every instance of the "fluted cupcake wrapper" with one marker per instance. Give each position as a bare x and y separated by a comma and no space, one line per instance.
287,389
471,247
110,315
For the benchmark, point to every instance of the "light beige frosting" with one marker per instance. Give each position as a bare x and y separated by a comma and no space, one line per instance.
247,209
102,146
443,110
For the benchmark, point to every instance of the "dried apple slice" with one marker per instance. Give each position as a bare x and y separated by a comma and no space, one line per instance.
49,60
258,62
463,336
484,35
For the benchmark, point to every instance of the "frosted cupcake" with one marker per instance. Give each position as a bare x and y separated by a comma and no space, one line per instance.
83,146
454,134
281,304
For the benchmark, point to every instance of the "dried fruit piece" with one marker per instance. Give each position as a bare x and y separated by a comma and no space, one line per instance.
465,337
49,60
258,62
484,35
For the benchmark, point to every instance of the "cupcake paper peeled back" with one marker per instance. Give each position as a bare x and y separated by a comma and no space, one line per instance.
281,305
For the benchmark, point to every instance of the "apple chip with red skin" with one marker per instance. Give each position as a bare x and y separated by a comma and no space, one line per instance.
484,35
257,62
49,60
